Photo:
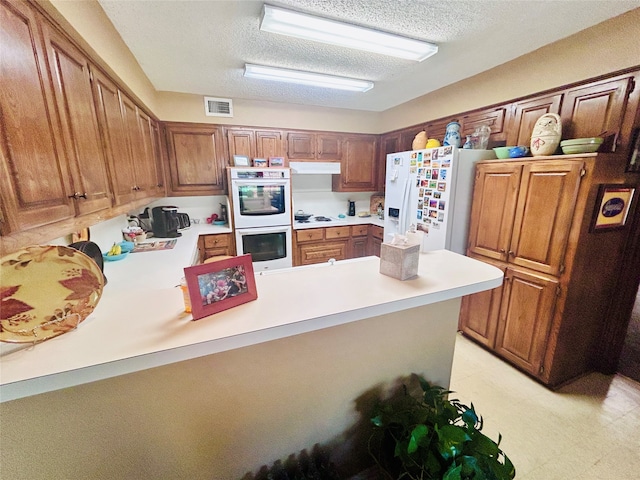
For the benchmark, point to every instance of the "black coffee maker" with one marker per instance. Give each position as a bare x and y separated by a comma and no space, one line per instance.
165,222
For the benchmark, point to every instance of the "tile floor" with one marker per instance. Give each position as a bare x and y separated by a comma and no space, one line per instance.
589,429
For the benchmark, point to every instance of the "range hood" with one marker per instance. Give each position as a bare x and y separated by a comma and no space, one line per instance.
309,168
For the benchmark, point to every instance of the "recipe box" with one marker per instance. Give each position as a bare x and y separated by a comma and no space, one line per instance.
399,261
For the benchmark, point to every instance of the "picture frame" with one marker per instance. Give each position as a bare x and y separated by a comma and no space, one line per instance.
220,285
633,162
260,162
241,161
276,161
612,207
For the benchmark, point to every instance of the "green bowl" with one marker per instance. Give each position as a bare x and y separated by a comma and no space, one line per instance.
502,152
582,141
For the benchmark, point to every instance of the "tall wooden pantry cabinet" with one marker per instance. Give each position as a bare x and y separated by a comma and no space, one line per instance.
532,218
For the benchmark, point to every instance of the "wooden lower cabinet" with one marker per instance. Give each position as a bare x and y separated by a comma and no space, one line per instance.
526,311
479,312
532,219
215,245
359,241
375,239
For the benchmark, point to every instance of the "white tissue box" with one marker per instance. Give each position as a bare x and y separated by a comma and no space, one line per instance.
399,261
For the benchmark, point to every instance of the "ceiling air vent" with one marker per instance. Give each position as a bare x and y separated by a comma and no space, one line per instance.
218,107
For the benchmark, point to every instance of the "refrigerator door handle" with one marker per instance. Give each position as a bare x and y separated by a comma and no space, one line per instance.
404,206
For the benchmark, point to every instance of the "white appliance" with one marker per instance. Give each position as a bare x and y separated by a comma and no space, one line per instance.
430,191
261,205
260,197
270,247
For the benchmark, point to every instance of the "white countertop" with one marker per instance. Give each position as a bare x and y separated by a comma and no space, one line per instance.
140,321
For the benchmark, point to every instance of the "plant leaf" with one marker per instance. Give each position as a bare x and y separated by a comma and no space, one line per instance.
451,440
453,473
417,435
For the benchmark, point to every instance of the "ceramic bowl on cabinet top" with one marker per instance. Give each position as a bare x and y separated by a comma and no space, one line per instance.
581,145
502,152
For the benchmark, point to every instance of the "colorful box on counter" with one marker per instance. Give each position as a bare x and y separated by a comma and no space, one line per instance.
399,261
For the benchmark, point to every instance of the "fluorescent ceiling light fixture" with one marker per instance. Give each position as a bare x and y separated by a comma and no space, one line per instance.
308,27
306,78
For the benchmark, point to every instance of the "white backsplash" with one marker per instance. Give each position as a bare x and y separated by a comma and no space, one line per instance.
198,208
312,194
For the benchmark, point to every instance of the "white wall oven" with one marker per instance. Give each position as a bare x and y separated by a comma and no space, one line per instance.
260,197
261,204
270,247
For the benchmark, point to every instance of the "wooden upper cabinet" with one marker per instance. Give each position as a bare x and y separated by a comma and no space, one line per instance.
301,146
526,313
241,142
254,143
314,146
328,146
543,218
114,138
148,171
596,110
196,159
35,180
405,141
389,143
493,209
358,170
526,113
158,155
72,89
269,143
494,118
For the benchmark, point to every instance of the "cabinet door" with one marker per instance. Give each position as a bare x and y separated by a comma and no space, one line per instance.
494,118
493,208
148,171
596,110
35,178
158,155
72,89
389,143
358,167
196,159
301,146
525,114
479,312
114,138
358,247
375,239
242,142
407,135
546,202
328,146
526,312
137,144
269,143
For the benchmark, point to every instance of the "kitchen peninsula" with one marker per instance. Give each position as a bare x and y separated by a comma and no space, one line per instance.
170,397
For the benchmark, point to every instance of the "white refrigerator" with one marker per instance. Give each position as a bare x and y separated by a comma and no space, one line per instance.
430,191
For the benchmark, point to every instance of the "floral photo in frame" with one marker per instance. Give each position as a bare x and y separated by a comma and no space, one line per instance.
612,207
217,286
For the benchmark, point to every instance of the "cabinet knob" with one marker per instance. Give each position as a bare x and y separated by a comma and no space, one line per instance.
502,250
511,253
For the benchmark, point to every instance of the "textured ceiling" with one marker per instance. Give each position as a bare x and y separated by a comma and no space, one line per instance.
201,47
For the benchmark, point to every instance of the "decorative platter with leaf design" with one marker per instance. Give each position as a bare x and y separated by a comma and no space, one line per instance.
46,291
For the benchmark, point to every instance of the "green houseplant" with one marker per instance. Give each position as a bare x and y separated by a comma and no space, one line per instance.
418,433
